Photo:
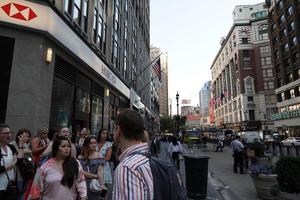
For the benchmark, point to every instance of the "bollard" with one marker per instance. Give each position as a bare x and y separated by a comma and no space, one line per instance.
196,168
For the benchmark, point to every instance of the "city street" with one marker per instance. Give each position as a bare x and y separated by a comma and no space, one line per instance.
222,182
223,179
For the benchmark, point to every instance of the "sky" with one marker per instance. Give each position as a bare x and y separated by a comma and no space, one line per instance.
190,32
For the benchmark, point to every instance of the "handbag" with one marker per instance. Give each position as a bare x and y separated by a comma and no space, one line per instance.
95,186
26,168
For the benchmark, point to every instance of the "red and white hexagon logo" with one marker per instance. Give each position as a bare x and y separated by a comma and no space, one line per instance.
19,11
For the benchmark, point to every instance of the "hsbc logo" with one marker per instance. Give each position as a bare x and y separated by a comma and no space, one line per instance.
19,11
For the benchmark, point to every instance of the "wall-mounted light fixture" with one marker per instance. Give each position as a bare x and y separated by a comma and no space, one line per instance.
49,55
107,92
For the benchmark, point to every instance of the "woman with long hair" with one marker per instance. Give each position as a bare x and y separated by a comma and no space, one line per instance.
93,168
61,177
105,151
27,153
175,149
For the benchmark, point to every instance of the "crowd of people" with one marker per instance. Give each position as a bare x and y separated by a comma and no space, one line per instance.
53,165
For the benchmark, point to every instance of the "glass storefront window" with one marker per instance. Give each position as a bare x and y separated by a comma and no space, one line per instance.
97,115
83,101
62,104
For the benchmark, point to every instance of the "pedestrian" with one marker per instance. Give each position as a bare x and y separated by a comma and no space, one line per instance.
38,144
104,149
82,135
175,149
61,177
93,168
47,154
27,153
220,145
245,153
8,161
155,146
68,134
238,153
133,178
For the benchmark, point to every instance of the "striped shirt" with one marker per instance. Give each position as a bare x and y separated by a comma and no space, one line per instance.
133,178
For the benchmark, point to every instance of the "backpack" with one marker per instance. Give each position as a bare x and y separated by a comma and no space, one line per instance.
166,180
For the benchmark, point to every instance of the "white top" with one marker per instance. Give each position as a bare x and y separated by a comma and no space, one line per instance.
175,148
7,158
237,145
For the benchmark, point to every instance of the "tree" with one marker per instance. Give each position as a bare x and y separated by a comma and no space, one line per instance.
167,124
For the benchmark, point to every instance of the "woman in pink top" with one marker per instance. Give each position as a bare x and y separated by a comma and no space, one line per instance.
61,177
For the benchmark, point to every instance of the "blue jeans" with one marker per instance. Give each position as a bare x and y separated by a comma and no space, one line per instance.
21,189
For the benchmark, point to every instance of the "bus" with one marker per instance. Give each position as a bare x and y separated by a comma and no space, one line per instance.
193,135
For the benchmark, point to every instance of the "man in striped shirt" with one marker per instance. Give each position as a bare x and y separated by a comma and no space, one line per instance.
133,178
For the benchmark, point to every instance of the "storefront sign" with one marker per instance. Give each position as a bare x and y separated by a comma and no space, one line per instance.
286,115
43,18
135,99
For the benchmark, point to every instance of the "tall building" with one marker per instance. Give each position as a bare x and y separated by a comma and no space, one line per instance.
284,23
163,84
243,74
72,63
204,99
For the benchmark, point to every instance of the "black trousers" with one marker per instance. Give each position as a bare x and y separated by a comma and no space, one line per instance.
9,194
238,161
175,156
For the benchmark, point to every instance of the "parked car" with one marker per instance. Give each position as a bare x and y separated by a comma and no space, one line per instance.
251,136
291,141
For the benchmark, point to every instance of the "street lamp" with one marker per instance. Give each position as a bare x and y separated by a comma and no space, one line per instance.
177,117
177,98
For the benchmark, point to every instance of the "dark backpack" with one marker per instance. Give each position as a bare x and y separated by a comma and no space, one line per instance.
166,180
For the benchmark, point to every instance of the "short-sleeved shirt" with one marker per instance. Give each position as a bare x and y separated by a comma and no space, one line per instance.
47,184
133,178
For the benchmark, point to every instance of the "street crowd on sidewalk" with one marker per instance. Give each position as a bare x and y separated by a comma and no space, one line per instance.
54,165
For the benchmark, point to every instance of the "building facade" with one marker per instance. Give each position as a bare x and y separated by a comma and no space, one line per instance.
72,63
204,100
163,84
243,75
284,31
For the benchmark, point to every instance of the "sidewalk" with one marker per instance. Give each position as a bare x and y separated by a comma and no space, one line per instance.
216,189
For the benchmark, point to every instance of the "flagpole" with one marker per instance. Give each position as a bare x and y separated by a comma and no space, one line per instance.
147,66
149,82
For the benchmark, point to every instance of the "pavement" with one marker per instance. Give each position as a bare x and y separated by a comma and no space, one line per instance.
222,182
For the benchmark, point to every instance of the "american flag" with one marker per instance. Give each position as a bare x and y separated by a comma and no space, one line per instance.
157,68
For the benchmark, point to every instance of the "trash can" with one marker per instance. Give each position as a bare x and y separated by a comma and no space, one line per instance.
196,169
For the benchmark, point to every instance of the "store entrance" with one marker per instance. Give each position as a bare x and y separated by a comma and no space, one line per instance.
6,52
